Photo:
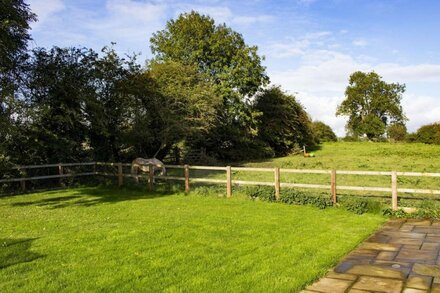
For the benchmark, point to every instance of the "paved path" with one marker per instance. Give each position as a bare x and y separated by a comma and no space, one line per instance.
403,256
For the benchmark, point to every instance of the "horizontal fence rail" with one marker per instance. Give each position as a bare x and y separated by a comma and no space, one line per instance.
276,183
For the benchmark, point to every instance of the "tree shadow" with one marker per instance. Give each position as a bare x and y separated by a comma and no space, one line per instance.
16,251
90,196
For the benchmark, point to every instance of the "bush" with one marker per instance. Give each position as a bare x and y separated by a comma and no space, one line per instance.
360,205
429,134
396,132
292,196
323,132
265,193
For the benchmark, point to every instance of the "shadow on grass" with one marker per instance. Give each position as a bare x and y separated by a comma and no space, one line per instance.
90,196
16,251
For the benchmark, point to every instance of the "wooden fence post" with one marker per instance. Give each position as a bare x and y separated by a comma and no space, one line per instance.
120,178
394,190
277,183
151,177
228,181
186,178
23,182
333,186
60,172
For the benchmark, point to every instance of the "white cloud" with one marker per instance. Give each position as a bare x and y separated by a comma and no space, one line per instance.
223,14
360,43
427,73
45,9
248,20
128,21
299,46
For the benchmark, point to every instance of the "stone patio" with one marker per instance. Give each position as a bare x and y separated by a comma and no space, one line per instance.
403,256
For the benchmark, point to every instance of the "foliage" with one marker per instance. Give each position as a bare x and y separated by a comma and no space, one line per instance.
283,123
264,193
429,134
218,51
371,104
293,196
187,107
15,19
58,91
359,205
231,65
323,132
396,132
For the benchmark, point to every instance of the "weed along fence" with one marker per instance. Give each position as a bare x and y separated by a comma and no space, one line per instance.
117,170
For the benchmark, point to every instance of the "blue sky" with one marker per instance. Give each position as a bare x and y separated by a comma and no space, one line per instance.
311,46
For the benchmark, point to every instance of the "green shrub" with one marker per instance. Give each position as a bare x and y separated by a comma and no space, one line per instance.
323,132
265,193
208,190
396,132
360,205
429,134
292,196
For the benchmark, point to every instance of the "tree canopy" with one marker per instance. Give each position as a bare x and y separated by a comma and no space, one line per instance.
323,132
204,88
371,104
283,123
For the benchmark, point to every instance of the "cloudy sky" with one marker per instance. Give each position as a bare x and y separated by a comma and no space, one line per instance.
311,46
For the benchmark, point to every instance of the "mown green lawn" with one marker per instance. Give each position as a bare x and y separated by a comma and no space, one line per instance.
96,239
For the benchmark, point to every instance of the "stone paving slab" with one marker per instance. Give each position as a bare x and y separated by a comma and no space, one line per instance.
403,256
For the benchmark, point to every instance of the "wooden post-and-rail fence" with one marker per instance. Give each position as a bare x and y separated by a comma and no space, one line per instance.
276,183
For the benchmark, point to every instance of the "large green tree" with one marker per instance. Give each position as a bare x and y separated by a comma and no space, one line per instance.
233,67
60,86
15,19
283,123
371,104
182,104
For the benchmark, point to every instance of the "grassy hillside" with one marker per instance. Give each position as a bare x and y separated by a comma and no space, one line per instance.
352,156
365,156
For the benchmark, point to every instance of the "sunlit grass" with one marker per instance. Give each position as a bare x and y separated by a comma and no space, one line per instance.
94,239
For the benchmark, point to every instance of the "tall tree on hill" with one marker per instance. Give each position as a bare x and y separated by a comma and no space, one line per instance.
233,67
371,104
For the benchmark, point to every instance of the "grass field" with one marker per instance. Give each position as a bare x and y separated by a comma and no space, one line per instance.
367,156
95,239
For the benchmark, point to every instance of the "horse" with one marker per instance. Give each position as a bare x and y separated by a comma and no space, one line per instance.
144,166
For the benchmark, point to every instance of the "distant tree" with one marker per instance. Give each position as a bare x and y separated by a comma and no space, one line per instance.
371,104
283,123
429,134
397,132
323,132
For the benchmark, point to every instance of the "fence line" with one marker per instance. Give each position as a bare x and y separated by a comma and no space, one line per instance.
276,183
